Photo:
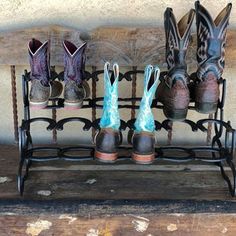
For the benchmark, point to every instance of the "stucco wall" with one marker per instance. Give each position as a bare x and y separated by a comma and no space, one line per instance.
86,15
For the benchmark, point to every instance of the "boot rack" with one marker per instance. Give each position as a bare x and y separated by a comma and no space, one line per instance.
221,150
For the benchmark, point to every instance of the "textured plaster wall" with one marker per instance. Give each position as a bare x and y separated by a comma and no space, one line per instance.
86,15
89,14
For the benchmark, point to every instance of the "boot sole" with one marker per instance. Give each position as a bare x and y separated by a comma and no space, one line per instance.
106,157
72,105
38,105
143,159
176,114
206,107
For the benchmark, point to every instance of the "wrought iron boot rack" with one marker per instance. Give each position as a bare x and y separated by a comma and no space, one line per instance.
221,150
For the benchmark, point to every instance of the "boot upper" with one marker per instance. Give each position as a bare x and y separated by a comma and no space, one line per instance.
177,40
145,119
211,39
39,61
110,116
74,62
74,67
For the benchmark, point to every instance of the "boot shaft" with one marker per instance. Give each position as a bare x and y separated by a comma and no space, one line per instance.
74,62
110,116
211,39
39,61
177,41
145,119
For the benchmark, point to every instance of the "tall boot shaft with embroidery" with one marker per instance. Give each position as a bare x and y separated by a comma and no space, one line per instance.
211,40
108,137
42,89
76,88
173,90
143,139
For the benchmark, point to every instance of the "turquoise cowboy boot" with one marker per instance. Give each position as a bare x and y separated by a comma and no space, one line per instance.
143,139
108,138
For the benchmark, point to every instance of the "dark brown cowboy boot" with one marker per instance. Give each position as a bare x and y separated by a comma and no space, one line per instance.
76,88
211,39
42,89
173,90
143,138
109,136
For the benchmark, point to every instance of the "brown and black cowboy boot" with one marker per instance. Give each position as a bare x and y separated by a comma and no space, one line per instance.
173,90
211,39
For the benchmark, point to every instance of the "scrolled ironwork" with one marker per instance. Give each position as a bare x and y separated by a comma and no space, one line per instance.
221,151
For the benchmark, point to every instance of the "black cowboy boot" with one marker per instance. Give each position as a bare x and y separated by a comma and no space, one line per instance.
211,39
173,90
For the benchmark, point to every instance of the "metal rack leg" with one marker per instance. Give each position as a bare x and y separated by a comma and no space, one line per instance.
23,175
231,186
23,171
20,178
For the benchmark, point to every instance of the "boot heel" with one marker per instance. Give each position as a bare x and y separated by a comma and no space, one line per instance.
72,105
143,159
175,114
206,107
106,157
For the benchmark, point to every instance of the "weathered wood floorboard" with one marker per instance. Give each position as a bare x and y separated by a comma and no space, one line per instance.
125,225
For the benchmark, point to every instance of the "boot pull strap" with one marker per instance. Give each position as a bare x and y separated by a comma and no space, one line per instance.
156,81
157,72
107,76
148,73
106,70
147,76
116,70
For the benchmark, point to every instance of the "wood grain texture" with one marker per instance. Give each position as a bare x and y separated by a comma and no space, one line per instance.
127,46
124,225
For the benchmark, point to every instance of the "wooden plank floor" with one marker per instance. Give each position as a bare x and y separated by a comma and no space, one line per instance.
64,198
129,225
